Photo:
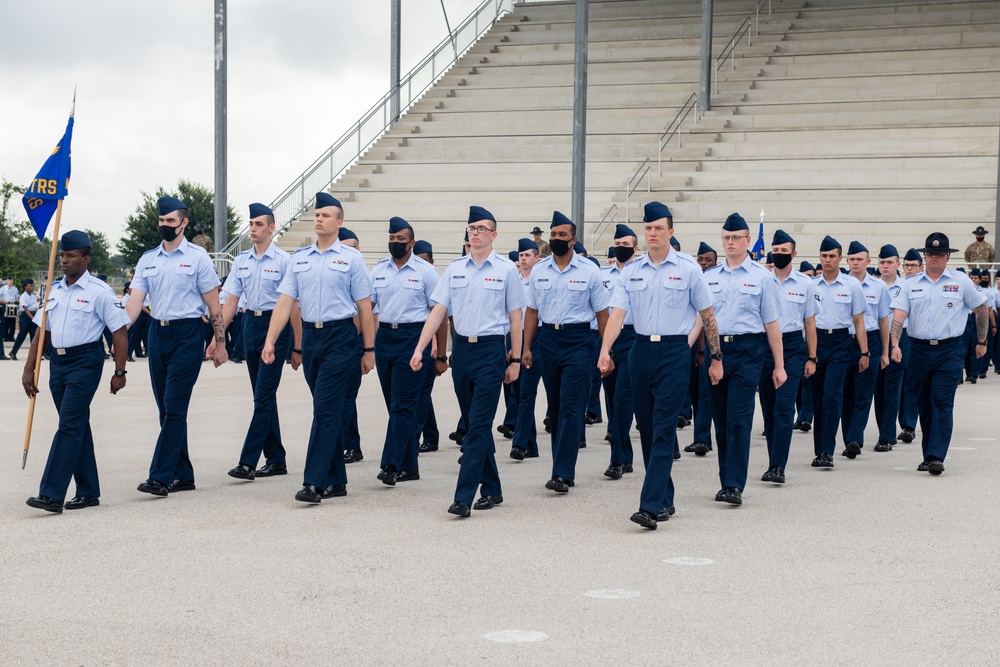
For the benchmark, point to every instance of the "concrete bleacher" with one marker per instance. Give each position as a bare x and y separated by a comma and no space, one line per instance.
870,120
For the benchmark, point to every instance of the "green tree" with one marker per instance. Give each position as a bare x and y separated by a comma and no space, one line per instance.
21,255
100,255
140,227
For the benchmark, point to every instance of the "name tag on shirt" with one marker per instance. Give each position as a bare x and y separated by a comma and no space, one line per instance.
715,286
459,281
150,271
917,293
543,283
299,267
380,281
50,304
635,285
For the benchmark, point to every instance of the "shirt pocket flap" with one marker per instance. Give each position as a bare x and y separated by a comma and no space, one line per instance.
577,285
750,288
675,282
299,267
81,305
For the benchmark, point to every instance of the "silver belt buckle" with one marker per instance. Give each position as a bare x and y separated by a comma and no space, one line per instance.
655,338
394,325
829,331
318,325
473,339
164,323
558,327
933,342
727,339
61,351
257,313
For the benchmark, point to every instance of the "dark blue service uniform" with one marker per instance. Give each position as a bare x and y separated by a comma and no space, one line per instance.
859,387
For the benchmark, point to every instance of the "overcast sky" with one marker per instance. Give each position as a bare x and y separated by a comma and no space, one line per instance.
300,72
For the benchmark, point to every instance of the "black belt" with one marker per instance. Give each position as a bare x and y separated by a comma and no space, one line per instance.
400,325
496,338
628,327
831,332
674,338
175,323
740,337
940,341
259,313
568,327
792,335
331,323
76,349
867,333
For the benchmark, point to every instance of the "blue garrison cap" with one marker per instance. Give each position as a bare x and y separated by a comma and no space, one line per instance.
675,242
559,219
769,259
74,240
855,248
622,231
985,273
871,270
27,281
477,213
422,248
594,260
397,225
102,277
913,256
704,247
466,237
324,199
844,271
345,234
806,266
611,252
975,272
735,223
579,249
829,243
654,210
513,256
780,236
961,269
257,210
167,205
888,251
523,245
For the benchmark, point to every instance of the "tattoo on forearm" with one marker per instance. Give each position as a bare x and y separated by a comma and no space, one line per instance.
711,333
897,331
220,331
981,322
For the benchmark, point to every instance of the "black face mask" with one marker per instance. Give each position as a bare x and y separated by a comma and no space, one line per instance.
623,253
781,260
397,250
168,234
559,247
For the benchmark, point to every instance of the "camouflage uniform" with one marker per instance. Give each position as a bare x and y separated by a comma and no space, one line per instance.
543,249
205,242
980,255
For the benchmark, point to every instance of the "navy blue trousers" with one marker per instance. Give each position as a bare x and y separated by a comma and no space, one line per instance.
623,406
937,371
175,357
138,334
659,373
567,370
511,395
778,405
73,381
352,434
733,402
804,402
235,347
477,371
859,390
888,392
703,404
594,398
26,328
971,363
264,433
328,358
833,354
401,388
525,432
426,420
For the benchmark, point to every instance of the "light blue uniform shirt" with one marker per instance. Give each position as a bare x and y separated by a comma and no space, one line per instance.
876,302
610,276
255,281
176,281
938,310
29,301
796,299
664,300
404,294
745,298
480,297
328,283
569,296
894,290
8,294
77,314
838,302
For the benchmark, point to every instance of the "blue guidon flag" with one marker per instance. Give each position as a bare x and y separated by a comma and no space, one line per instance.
50,185
758,252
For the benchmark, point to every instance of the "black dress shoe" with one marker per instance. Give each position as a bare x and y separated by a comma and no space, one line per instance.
517,453
353,456
531,455
665,513
488,502
677,454
13,357
460,458
309,494
272,469
425,447
883,446
130,358
702,449
456,436
242,471
682,421
407,476
607,437
907,435
733,496
627,468
590,418
180,485
80,502
721,495
690,449
45,503
459,508
923,466
644,519
804,426
613,471
769,476
935,467
557,484
972,380
333,491
583,444
825,460
779,475
852,450
153,487
387,477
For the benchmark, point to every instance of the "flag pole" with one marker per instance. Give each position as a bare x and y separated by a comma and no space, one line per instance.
41,331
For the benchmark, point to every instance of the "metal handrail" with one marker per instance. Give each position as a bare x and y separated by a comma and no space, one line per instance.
634,182
730,49
757,12
608,219
372,125
675,128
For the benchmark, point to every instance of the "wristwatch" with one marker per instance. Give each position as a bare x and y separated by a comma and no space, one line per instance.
717,356
294,351
120,374
815,360
515,360
982,342
443,360
368,349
